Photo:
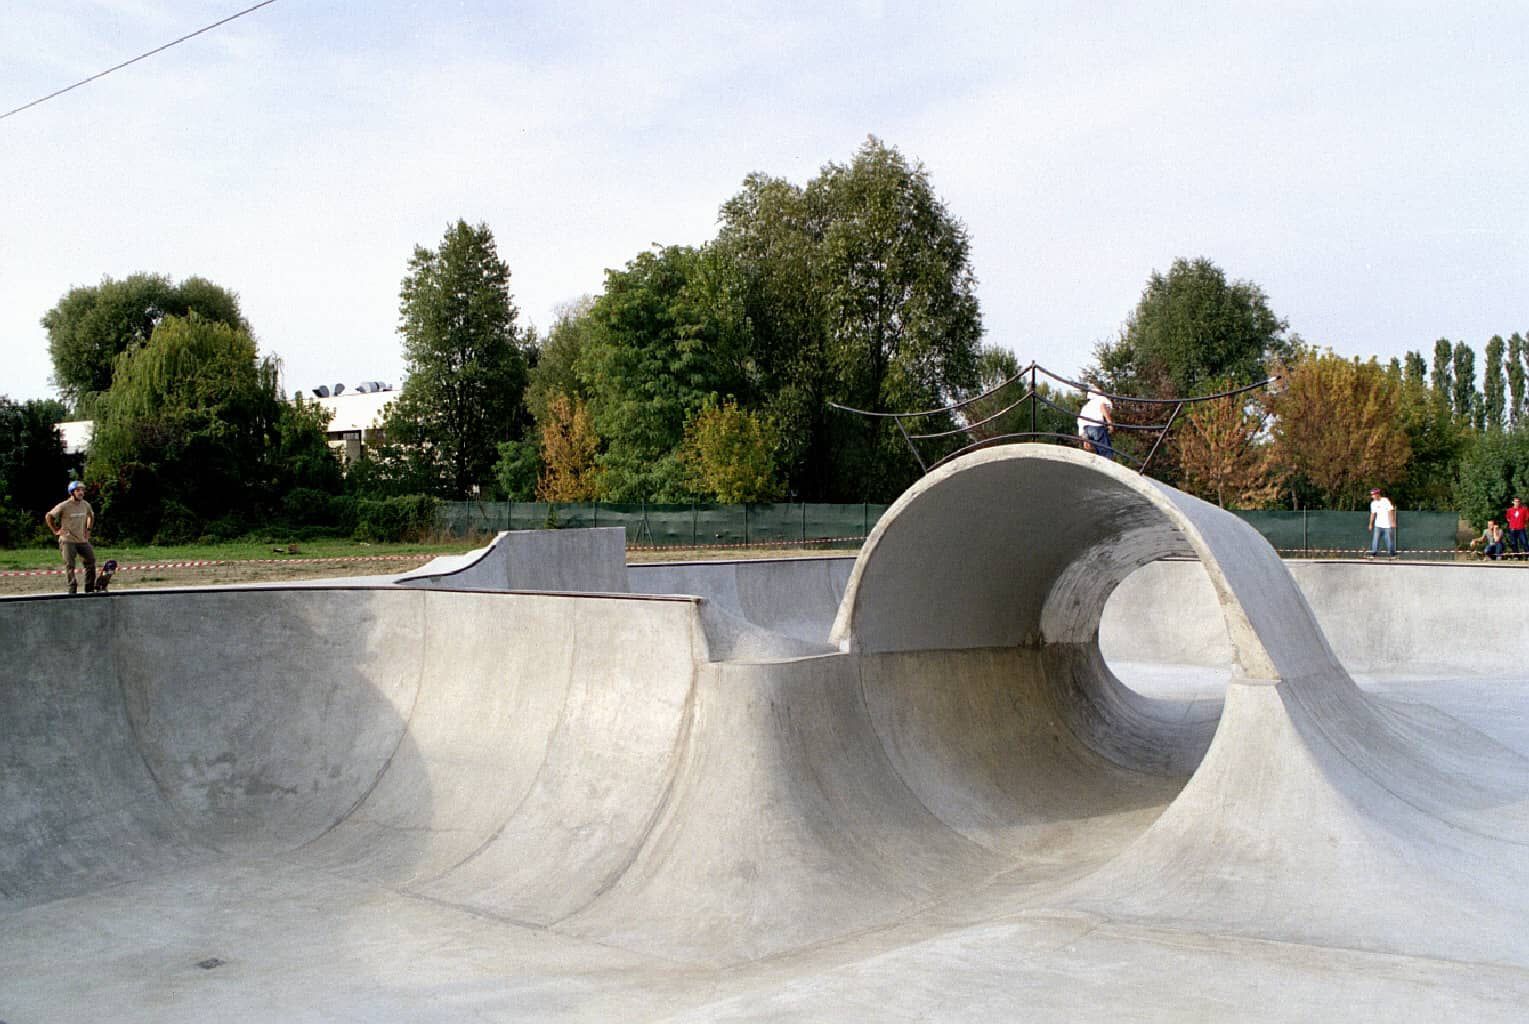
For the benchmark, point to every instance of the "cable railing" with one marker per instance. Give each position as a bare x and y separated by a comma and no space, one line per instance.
1036,399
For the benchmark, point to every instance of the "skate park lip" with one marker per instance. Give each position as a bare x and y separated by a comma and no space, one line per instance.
442,767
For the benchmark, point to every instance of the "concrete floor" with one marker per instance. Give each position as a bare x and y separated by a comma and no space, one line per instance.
1021,780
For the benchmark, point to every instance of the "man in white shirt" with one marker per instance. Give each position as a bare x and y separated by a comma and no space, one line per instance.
1382,523
1095,420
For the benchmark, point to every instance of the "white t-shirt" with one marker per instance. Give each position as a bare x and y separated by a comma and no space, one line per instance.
1092,413
1384,513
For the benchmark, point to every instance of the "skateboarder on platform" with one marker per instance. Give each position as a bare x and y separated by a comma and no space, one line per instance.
71,521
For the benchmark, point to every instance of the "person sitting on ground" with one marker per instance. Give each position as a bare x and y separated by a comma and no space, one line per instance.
1491,541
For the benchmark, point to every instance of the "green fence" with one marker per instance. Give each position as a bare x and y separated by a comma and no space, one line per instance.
778,525
1298,534
1316,533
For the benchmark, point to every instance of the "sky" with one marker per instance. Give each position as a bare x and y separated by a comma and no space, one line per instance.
1365,164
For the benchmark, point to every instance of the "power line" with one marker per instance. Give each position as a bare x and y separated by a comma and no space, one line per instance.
135,60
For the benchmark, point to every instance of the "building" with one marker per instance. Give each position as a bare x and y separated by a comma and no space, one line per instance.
356,418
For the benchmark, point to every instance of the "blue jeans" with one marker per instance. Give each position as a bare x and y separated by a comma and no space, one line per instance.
1519,539
1389,533
1099,437
1494,551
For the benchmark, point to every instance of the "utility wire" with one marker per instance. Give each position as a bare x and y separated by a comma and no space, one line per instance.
135,60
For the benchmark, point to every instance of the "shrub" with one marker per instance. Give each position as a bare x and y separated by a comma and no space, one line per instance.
177,525
390,520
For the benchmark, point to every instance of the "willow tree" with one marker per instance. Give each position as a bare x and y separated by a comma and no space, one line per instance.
194,432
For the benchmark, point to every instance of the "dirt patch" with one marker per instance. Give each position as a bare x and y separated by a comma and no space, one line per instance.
235,573
228,573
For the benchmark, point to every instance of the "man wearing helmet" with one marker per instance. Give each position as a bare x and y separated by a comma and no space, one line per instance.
71,521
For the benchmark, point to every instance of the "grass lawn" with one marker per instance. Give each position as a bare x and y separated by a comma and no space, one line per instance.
140,554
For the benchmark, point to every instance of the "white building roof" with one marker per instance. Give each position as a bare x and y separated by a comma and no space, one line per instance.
76,434
356,410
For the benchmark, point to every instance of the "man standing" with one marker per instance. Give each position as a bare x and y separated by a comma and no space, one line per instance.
1382,523
71,521
1095,420
1518,526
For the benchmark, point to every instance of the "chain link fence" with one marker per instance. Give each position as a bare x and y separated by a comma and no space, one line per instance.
699,525
1311,534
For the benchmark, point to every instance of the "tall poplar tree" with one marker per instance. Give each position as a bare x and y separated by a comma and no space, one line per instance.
1464,403
1493,384
1515,378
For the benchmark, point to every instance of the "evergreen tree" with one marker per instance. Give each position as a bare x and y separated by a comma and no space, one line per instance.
463,395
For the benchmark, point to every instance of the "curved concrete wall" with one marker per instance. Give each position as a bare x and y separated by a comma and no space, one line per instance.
1381,618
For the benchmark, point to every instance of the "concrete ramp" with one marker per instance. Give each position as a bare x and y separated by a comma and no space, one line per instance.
437,804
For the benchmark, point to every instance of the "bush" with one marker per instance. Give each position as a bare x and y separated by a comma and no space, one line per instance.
20,530
390,520
177,525
307,506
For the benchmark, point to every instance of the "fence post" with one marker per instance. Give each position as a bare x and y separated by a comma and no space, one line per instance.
745,524
804,524
693,514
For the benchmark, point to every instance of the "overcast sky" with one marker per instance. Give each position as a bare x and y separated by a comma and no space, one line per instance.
1366,164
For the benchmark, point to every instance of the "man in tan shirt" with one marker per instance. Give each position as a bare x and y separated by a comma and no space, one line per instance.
71,521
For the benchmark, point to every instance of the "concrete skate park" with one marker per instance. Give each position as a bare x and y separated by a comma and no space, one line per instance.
1061,742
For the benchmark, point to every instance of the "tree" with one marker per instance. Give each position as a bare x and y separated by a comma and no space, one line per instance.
1493,385
1191,326
92,325
1463,399
987,418
654,356
34,468
463,356
192,433
569,446
856,288
1435,439
1443,377
729,453
1516,355
555,371
1338,430
1224,453
1491,474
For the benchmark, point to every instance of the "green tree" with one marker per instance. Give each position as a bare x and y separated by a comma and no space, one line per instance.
1463,399
555,369
1494,470
730,454
1192,326
654,356
1055,411
34,469
466,369
190,433
93,324
1494,385
1516,354
856,288
1443,379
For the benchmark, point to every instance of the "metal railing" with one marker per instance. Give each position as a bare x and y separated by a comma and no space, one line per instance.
1035,399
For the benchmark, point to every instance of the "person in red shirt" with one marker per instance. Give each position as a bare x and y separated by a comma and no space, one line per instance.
1518,526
